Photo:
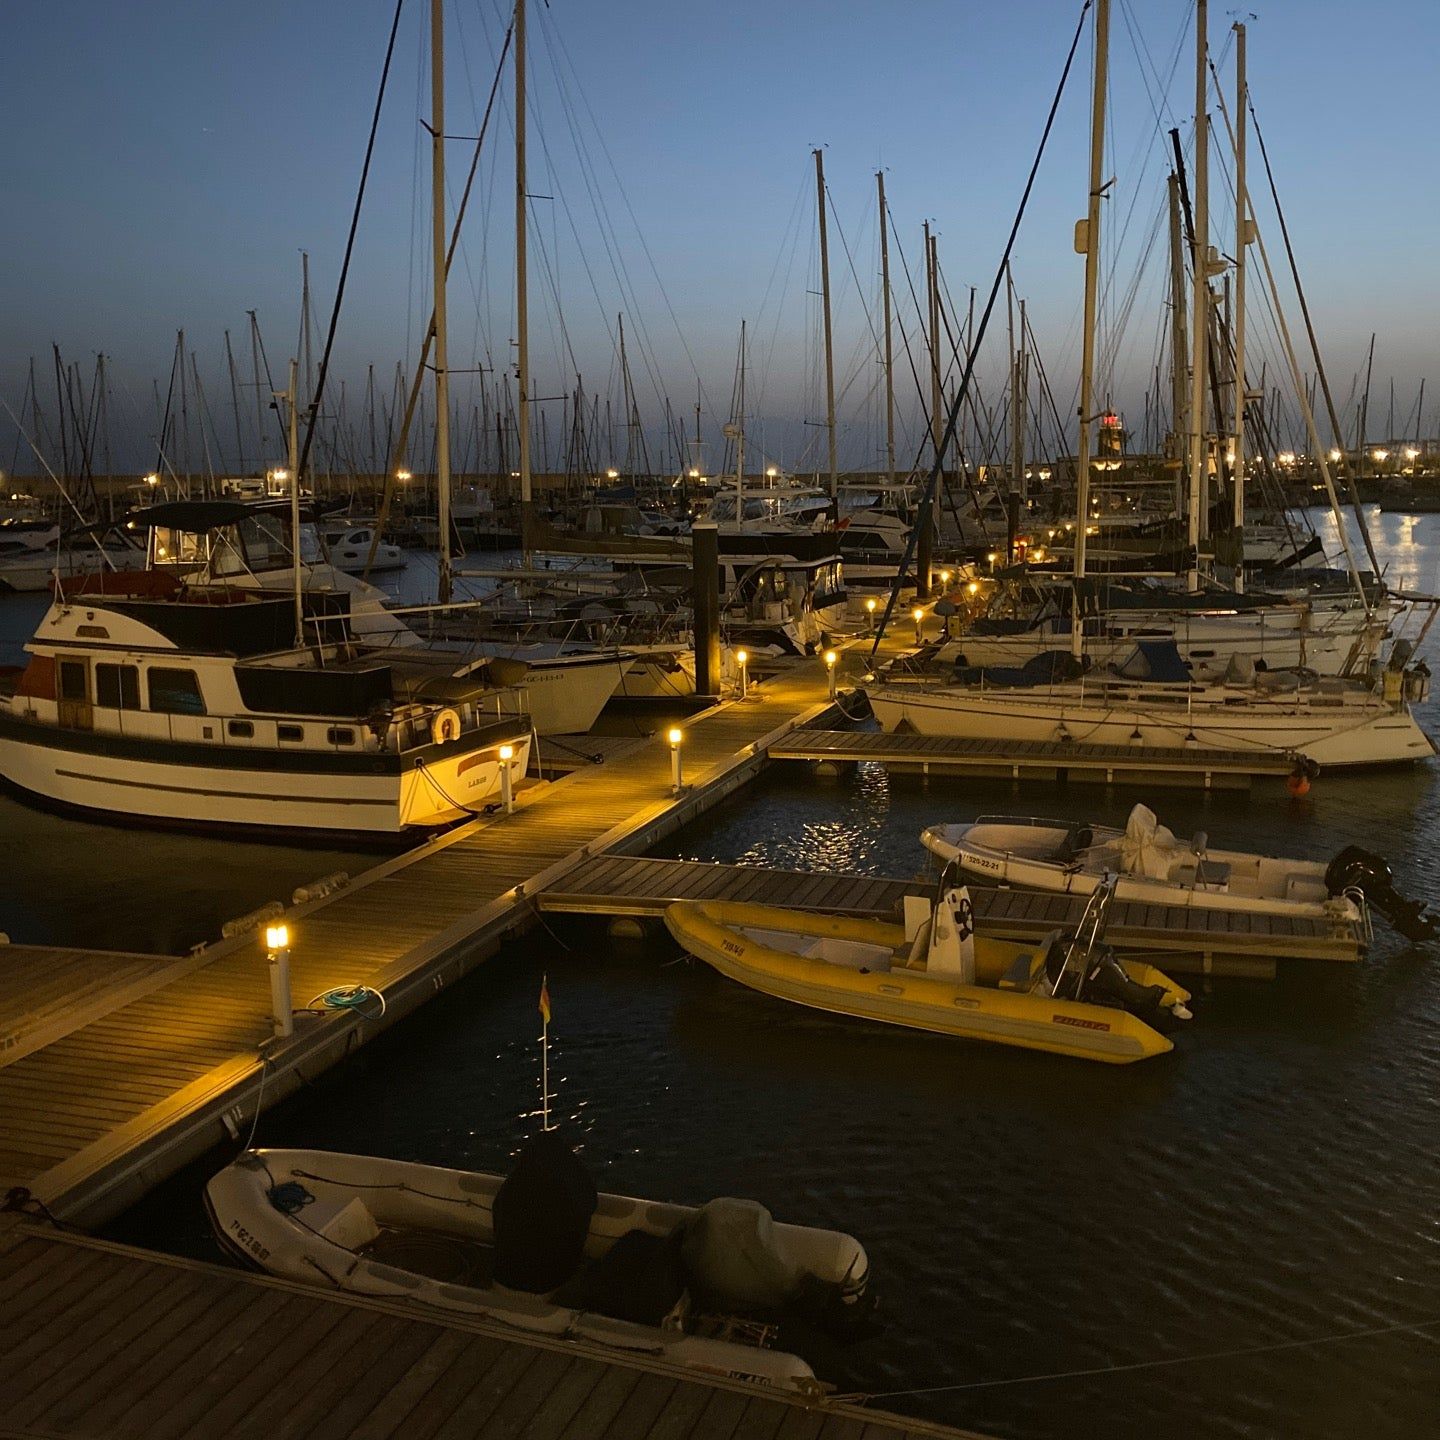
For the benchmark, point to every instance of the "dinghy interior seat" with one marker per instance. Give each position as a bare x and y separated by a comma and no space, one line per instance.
1026,968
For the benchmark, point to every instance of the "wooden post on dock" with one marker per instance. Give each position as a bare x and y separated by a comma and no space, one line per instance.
705,575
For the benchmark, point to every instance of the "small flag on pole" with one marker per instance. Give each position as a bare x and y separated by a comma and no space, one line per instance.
544,1001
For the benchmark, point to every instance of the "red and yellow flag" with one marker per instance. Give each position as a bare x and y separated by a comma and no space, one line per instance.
544,1001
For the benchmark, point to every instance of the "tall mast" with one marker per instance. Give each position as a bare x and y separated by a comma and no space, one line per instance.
1242,240
825,300
292,460
1018,402
889,347
1179,345
437,230
925,538
740,436
1087,242
1200,325
522,310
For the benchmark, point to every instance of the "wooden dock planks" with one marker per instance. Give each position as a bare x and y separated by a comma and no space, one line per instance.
1035,759
644,887
104,1342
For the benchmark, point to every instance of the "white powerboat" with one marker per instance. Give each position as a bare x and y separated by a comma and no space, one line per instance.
185,705
349,548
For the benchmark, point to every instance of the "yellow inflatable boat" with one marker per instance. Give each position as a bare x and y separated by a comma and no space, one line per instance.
1067,995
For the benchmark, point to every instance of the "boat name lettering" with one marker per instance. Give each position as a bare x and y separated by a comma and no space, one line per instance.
1080,1023
981,862
732,947
249,1241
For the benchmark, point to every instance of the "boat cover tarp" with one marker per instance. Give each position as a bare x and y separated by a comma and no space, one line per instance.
733,1256
1046,668
542,1216
1158,660
640,1278
1147,848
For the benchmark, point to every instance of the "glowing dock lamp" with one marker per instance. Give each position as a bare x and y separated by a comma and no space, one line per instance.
918,616
973,587
677,779
742,659
507,789
402,475
830,658
870,616
277,955
945,578
152,479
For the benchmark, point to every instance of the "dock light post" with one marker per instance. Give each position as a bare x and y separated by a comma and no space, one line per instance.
918,615
277,954
507,789
945,578
677,779
830,658
870,616
742,659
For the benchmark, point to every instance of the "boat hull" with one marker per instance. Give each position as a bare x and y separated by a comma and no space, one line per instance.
212,785
723,935
1332,736
352,1196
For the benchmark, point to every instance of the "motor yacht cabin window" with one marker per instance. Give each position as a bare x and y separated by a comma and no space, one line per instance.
240,730
74,680
117,687
175,692
169,546
340,735
291,734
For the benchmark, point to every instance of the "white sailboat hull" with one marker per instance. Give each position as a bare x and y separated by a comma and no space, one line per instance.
1332,733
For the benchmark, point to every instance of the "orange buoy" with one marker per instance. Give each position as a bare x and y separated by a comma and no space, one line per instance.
1298,783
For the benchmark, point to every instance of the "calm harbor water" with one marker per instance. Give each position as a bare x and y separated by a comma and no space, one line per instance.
1273,1181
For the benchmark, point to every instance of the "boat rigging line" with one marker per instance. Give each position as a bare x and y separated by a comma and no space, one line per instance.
928,498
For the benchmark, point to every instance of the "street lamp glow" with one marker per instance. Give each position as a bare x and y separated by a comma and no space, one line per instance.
612,474
152,479
771,471
402,475
1382,454
1334,456
277,937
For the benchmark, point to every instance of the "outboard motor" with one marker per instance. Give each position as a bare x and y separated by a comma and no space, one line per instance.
1357,869
1106,983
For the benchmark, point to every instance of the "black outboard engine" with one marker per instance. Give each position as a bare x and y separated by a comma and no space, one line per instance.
1106,983
1357,869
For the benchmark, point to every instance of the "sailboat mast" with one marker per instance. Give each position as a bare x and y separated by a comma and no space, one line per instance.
1242,239
1087,242
1179,345
825,301
889,344
437,231
740,439
522,307
1200,325
292,461
925,520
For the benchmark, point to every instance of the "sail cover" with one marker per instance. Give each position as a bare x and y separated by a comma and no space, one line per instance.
1147,848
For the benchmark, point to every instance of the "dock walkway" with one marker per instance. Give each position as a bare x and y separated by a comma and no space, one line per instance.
1191,940
1058,760
94,1116
103,1342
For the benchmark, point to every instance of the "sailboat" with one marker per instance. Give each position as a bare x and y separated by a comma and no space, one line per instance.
1153,699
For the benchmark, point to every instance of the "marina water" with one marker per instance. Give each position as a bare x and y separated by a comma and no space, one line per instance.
1174,1229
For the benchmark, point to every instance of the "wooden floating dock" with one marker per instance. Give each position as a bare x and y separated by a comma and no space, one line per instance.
99,1104
1188,940
1053,760
104,1342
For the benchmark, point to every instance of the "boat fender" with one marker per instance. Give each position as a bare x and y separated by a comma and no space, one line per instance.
445,726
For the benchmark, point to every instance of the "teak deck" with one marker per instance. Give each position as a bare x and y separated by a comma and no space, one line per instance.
104,1342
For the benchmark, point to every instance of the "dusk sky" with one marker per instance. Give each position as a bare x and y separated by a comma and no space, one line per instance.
168,161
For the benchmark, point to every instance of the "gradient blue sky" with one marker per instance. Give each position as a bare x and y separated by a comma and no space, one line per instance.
166,162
